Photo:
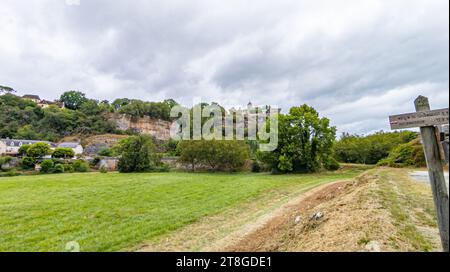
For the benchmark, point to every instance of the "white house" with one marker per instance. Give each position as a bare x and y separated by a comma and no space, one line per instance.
2,148
11,146
76,147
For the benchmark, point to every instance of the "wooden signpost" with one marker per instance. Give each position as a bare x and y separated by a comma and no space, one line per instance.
427,120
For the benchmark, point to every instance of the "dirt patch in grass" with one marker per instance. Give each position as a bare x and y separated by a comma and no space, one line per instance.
359,215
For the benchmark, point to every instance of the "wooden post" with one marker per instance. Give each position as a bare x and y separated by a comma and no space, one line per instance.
436,173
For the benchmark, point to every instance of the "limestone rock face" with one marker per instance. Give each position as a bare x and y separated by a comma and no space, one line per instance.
159,129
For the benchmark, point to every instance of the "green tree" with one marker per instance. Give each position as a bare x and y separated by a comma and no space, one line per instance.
39,150
23,150
372,148
136,154
217,155
73,99
63,153
6,89
305,141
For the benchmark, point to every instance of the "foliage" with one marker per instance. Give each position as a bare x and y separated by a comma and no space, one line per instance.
28,163
107,152
4,160
65,153
73,99
38,150
217,155
138,108
6,89
136,154
370,149
404,155
58,169
103,170
23,118
23,150
305,142
256,167
81,166
47,166
331,164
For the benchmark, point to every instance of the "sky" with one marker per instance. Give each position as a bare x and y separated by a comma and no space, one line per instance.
355,61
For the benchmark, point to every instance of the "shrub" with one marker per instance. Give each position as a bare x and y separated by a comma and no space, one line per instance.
28,163
162,168
103,169
256,167
81,166
106,152
68,168
47,166
3,161
331,164
410,154
59,168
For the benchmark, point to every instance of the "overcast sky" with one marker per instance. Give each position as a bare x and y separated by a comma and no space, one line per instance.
355,61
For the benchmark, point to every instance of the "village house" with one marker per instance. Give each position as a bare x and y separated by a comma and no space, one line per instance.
76,147
32,97
11,147
41,102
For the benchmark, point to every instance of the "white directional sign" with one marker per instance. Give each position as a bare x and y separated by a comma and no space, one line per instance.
420,119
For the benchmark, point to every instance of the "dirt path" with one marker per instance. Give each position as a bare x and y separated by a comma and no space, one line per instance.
381,210
216,232
351,216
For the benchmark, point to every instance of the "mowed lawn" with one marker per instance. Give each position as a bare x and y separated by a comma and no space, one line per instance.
114,212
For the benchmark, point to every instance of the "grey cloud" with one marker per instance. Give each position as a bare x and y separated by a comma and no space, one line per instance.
336,58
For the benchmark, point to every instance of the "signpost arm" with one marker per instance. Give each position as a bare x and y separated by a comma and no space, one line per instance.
436,173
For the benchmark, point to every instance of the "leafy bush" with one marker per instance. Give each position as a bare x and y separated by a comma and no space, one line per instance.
409,154
47,166
81,166
28,163
59,168
164,168
256,167
106,152
68,168
331,164
103,169
3,161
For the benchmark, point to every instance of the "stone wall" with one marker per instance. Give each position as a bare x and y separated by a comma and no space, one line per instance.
159,129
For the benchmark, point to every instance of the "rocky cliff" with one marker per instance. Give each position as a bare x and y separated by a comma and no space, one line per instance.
159,129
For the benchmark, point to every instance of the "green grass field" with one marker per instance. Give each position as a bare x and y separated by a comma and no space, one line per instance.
114,212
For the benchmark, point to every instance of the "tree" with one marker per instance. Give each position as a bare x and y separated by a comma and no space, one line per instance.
217,155
23,150
6,89
372,148
63,153
136,154
73,99
38,150
305,141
